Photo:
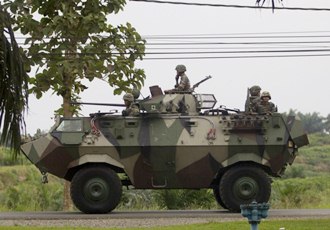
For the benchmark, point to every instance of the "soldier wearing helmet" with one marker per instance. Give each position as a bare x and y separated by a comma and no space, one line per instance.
265,106
253,99
184,83
131,108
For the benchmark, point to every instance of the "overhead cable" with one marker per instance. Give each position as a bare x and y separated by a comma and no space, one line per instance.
238,57
232,6
193,52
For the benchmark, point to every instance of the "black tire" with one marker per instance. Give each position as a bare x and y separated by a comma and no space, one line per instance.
243,184
216,193
96,189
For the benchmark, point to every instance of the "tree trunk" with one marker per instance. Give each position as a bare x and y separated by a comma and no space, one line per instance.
67,202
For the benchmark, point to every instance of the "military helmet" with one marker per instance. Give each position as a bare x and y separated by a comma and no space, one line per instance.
265,94
135,93
254,90
180,68
128,97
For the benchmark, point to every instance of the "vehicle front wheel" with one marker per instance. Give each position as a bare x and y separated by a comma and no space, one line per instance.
216,193
96,189
243,184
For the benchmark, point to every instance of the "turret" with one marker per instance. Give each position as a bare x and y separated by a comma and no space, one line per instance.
187,103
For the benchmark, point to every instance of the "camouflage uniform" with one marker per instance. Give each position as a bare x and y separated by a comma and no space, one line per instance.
265,107
253,100
254,103
131,108
184,84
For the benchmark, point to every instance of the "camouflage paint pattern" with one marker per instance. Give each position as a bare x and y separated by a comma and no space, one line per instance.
172,144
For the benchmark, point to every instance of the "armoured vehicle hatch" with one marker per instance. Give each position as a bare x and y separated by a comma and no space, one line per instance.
179,140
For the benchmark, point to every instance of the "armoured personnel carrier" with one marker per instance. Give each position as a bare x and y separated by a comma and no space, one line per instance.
178,141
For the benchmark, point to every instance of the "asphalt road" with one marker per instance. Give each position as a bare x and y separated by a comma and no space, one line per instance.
145,218
272,213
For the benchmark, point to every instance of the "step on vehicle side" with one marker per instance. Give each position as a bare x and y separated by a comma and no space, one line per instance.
179,141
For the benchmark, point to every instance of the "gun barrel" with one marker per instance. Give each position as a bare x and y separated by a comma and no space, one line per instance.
198,83
101,104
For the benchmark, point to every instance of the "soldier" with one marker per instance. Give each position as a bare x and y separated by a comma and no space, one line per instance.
265,106
131,108
253,100
184,84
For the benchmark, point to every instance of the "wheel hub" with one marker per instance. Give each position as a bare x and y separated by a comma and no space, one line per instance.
96,189
246,188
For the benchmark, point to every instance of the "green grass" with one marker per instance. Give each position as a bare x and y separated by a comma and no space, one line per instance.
309,192
310,224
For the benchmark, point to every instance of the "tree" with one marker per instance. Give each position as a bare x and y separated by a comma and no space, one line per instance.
13,86
313,122
327,124
71,40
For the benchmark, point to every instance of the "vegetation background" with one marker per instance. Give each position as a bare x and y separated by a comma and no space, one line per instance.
306,184
20,186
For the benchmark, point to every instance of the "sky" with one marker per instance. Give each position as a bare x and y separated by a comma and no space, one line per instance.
299,83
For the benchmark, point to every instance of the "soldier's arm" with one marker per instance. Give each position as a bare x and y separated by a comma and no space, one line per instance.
274,108
125,112
135,110
183,82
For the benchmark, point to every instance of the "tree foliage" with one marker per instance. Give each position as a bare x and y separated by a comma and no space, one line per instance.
13,86
313,122
71,40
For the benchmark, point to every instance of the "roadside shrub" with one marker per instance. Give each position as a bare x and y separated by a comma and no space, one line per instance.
310,192
186,199
7,158
21,190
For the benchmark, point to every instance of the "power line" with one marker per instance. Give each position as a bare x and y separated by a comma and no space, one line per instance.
236,43
232,6
238,57
192,52
171,43
234,37
225,35
200,55
236,34
222,57
238,47
193,37
251,45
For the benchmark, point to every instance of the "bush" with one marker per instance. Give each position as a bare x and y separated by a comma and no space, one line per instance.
295,171
186,199
310,192
138,200
21,190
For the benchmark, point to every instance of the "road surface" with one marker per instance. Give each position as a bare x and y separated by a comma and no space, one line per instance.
145,218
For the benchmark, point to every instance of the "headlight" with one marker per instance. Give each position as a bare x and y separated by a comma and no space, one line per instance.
290,144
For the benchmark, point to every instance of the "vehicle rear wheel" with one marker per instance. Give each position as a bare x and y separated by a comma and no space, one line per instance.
216,193
243,184
96,189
